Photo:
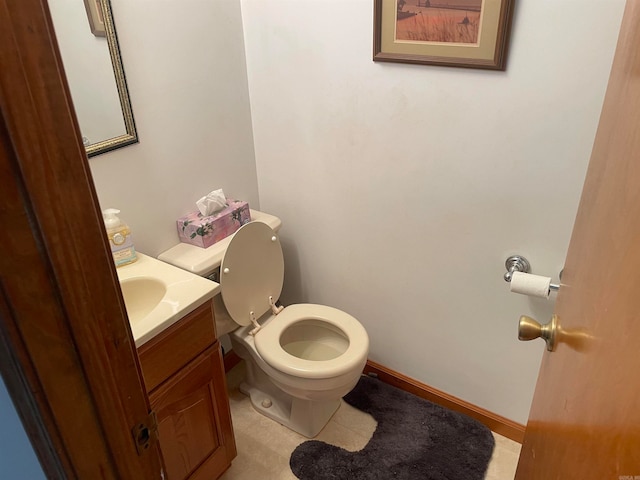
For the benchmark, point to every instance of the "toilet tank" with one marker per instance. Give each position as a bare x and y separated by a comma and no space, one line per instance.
206,263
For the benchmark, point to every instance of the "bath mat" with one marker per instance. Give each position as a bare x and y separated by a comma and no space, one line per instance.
415,439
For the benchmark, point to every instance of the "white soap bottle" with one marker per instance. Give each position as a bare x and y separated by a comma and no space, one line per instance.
120,239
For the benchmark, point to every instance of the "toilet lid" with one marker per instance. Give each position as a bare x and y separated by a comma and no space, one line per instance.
252,270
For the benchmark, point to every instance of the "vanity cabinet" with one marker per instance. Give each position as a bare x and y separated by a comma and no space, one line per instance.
184,375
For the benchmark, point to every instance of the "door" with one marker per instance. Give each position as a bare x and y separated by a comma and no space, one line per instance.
585,417
67,354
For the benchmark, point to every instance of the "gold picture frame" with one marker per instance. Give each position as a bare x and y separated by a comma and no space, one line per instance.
95,15
453,33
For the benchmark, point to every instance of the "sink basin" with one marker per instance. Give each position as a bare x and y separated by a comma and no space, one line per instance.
141,296
157,295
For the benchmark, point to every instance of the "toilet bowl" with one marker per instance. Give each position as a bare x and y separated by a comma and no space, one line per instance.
301,359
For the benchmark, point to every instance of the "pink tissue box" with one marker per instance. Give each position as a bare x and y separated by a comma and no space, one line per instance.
202,231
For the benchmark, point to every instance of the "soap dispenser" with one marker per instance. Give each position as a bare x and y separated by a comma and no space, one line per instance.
120,239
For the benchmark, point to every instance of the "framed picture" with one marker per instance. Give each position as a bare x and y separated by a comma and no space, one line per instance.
454,33
96,17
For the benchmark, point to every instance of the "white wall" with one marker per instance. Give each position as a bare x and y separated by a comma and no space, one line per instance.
404,188
185,68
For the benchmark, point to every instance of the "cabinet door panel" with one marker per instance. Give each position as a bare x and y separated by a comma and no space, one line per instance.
189,419
169,351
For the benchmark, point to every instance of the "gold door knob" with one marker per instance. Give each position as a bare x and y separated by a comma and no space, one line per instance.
529,329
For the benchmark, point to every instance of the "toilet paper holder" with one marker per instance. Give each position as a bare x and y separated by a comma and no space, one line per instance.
517,263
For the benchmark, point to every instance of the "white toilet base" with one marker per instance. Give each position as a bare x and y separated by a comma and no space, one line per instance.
306,417
302,416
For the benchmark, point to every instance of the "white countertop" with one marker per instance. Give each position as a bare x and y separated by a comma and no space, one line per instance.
184,293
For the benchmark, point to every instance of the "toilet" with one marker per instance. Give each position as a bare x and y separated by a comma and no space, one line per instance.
300,359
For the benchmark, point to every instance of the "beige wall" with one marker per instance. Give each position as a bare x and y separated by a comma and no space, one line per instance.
403,188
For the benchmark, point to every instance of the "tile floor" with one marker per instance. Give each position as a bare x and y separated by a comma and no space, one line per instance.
264,446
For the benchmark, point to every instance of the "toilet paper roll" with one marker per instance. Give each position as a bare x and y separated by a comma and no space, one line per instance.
532,285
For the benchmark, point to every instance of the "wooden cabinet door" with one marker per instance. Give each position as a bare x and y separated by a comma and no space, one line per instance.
194,421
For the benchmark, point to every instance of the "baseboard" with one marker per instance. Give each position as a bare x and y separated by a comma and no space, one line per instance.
230,359
501,425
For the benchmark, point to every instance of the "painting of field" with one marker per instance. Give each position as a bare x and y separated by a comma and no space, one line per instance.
439,21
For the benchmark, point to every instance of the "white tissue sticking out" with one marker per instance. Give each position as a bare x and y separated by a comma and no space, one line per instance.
212,202
528,284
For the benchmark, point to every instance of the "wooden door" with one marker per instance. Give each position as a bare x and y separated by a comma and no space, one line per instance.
585,418
67,354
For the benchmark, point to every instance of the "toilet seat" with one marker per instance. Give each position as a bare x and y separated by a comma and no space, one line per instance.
251,273
267,342
251,278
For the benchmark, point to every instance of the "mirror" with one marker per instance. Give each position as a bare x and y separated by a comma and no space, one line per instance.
91,57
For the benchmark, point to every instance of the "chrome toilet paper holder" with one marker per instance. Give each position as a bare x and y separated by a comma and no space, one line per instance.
517,263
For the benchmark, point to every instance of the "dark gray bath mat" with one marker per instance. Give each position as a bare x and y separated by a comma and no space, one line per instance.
415,439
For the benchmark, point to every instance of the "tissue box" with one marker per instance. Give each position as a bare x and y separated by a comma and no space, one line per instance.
202,231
